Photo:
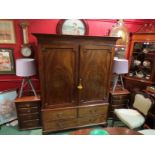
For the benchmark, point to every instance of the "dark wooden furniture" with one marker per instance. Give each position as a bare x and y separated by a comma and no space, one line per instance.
111,131
75,73
141,61
118,99
28,112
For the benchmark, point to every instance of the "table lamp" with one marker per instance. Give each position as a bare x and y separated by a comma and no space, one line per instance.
25,67
120,67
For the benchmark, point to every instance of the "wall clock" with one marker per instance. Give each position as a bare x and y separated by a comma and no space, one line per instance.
72,27
26,50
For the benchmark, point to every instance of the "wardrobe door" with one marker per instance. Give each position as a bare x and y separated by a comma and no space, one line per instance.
95,73
58,75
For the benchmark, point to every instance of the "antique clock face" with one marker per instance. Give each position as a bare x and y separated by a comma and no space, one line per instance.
26,51
72,27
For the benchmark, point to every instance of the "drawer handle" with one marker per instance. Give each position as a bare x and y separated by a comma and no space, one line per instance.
60,125
59,115
28,110
93,111
92,120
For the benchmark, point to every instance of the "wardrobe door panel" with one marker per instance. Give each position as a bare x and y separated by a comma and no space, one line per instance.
95,72
59,75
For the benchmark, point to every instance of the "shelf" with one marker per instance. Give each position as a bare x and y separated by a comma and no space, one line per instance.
139,79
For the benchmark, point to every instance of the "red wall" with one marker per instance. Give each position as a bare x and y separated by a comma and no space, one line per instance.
97,27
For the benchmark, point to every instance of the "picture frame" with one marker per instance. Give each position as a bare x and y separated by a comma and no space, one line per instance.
7,106
72,27
7,32
7,65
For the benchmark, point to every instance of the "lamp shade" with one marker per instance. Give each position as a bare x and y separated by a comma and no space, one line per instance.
120,66
25,67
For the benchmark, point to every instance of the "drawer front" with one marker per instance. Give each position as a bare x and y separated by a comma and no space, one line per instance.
59,125
28,110
119,97
92,110
23,117
51,115
29,124
92,120
117,102
27,104
117,106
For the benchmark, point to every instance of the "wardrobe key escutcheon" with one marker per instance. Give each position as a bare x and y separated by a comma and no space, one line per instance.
80,87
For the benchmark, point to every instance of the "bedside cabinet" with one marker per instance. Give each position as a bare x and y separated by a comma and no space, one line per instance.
118,99
28,112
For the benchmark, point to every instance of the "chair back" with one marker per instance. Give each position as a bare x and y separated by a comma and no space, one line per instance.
142,103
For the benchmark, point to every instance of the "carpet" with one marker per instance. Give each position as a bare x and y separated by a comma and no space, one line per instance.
13,130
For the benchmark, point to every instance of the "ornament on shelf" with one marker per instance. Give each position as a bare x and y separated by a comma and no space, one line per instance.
120,30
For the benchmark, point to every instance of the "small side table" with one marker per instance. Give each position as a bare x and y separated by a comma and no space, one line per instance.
118,99
28,112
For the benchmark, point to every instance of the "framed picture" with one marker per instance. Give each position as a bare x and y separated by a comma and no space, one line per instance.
7,106
7,32
6,61
72,27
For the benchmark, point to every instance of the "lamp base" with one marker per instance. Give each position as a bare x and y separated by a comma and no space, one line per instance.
117,79
25,81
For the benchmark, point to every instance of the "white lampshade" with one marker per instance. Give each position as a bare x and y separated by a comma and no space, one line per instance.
120,66
25,67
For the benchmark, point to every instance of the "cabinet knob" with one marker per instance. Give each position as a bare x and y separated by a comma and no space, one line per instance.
80,87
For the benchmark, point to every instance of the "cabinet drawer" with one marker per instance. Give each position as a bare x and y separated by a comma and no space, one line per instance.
91,120
28,110
29,124
51,115
117,102
117,106
32,116
59,125
119,97
27,104
92,110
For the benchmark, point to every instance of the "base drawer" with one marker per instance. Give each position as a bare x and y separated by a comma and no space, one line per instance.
118,106
28,110
29,124
91,120
59,125
27,104
54,114
117,102
120,97
24,117
93,110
